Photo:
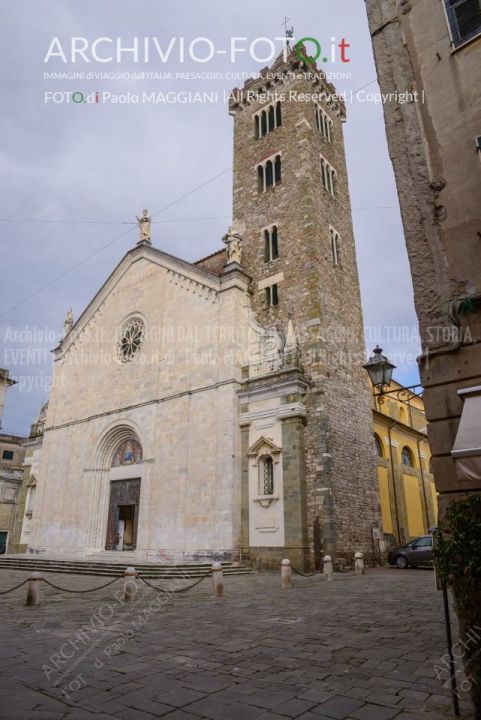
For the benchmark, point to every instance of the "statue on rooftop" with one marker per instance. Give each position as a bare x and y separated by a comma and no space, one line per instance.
144,227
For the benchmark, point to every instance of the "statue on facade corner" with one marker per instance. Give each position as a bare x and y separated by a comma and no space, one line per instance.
68,323
144,226
233,243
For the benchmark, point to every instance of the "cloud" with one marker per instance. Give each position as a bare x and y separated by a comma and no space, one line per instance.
107,163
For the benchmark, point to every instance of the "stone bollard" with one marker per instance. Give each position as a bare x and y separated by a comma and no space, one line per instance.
33,589
286,574
130,584
359,563
328,569
217,579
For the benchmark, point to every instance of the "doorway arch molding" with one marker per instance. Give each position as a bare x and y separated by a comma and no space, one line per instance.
110,439
112,436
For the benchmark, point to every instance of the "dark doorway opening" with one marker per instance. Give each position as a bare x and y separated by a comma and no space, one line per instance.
123,515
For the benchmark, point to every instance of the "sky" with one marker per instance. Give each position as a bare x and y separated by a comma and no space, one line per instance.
73,176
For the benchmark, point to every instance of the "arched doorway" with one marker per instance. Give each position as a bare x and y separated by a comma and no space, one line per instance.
124,496
115,494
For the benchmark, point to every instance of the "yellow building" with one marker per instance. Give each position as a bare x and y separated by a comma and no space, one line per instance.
406,485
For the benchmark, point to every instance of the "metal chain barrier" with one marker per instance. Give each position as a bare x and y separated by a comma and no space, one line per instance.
100,587
173,592
298,572
5,592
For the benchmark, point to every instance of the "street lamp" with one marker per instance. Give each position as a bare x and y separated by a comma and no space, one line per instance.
379,370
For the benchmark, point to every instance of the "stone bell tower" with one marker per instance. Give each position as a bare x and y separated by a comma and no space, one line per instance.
292,208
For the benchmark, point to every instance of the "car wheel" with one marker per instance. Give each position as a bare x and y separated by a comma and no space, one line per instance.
401,562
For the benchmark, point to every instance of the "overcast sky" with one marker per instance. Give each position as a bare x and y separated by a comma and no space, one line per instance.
84,162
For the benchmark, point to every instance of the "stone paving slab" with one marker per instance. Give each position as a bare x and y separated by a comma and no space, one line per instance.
366,648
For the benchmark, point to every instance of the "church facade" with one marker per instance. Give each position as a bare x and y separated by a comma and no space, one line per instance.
219,408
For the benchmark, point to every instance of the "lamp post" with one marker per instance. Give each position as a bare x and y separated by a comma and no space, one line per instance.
379,370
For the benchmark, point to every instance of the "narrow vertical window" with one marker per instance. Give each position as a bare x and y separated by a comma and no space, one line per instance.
272,296
324,123
278,170
328,175
257,126
328,178
335,247
260,179
323,173
272,118
268,475
271,246
274,244
269,174
278,114
275,295
263,123
267,246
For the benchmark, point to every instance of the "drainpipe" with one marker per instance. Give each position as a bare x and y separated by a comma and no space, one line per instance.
396,509
424,488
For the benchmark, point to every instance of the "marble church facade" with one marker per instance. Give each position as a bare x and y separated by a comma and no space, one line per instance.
212,409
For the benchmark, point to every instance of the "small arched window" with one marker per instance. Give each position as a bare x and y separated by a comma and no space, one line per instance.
260,179
379,447
271,246
267,475
263,122
269,174
278,114
278,176
407,457
272,118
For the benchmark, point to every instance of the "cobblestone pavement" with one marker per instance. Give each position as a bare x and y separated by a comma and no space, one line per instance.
363,648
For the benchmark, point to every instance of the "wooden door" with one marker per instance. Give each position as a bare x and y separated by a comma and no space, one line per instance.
122,493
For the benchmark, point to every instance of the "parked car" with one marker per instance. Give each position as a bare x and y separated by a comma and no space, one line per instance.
416,552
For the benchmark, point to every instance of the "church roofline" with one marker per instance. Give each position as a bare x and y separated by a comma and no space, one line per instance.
207,257
134,254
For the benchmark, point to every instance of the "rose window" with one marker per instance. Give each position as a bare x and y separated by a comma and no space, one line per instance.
131,340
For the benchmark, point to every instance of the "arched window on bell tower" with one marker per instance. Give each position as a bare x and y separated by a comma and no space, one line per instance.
271,245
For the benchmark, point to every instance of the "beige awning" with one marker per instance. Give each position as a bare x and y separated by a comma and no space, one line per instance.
467,446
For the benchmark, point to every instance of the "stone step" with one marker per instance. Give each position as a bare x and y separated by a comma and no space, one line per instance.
103,569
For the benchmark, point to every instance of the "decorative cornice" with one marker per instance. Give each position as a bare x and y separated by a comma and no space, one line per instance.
182,268
194,286
296,409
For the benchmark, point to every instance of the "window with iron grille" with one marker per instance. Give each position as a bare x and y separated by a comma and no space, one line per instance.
268,475
464,18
